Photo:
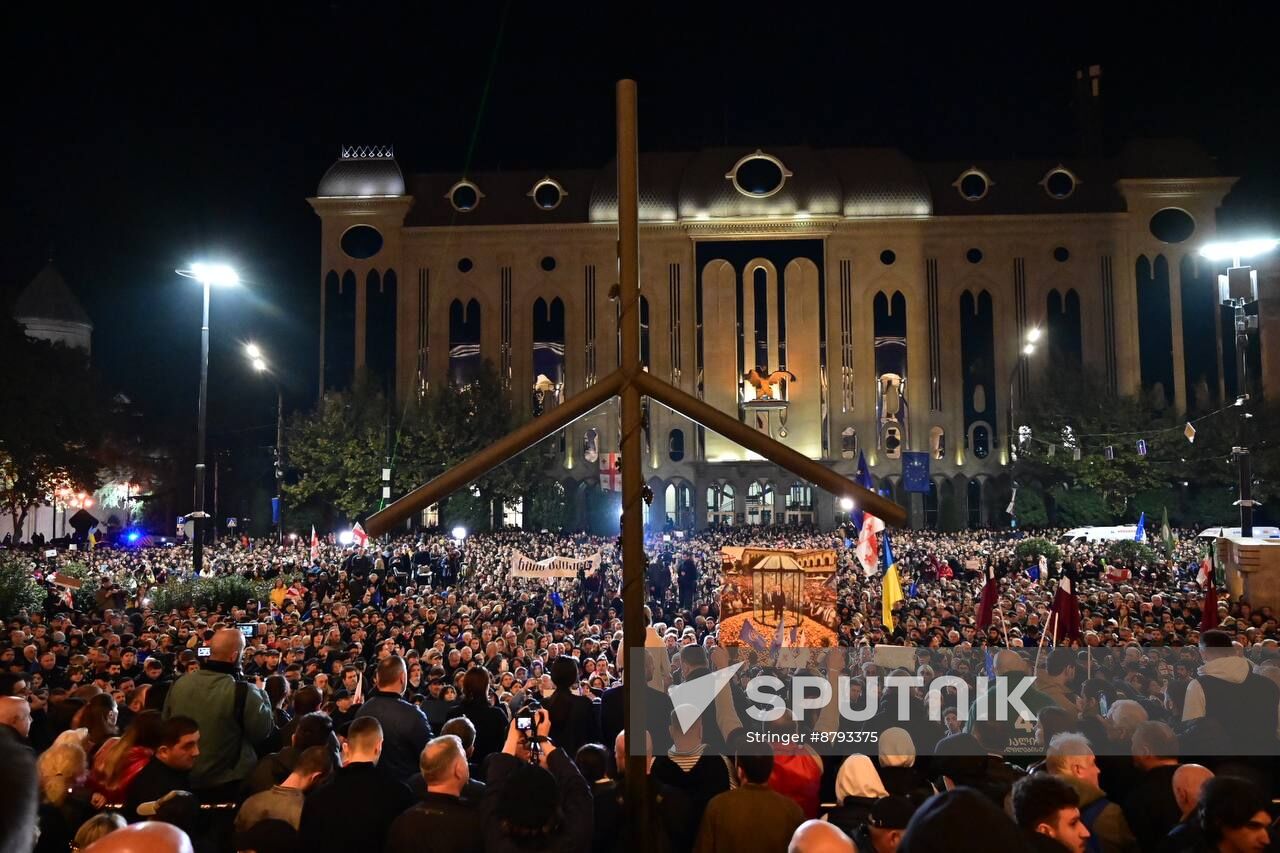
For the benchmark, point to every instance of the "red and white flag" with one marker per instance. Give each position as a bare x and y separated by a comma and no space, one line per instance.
315,545
868,550
358,536
1205,577
610,472
1065,612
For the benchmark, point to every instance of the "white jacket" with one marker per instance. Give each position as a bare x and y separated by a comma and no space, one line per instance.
1233,669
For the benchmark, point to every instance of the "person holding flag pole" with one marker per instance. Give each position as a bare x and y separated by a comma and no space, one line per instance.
890,586
867,525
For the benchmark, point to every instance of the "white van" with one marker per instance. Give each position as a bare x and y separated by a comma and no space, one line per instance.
1258,532
1083,535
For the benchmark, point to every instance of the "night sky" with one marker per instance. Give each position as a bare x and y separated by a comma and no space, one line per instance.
141,140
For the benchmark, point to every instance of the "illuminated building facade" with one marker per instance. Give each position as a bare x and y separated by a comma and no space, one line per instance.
842,300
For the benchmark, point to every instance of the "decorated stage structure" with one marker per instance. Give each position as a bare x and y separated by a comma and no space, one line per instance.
775,597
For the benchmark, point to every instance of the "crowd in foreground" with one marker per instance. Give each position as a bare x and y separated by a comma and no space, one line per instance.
414,696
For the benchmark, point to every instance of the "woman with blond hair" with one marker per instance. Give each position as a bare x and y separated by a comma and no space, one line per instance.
62,769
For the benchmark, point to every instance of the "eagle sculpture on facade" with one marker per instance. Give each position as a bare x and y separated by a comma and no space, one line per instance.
764,384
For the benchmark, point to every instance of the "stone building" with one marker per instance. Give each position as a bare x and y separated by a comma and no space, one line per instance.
887,299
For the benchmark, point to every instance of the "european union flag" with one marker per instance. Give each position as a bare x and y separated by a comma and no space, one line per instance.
556,599
1142,527
915,471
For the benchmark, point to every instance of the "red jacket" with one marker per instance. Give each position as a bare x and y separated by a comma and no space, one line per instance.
797,774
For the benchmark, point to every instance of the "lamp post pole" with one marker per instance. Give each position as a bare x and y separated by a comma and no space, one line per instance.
1237,289
1241,450
208,275
280,462
201,410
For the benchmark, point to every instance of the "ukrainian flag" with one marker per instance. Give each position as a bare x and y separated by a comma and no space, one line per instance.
890,587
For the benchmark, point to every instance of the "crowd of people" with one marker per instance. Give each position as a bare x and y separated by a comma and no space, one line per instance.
413,695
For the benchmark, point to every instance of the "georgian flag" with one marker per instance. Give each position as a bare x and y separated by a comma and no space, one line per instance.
315,546
358,537
868,550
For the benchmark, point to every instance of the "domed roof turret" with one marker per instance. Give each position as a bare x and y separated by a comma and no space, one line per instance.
362,171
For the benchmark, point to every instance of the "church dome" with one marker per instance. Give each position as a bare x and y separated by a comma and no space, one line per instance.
362,171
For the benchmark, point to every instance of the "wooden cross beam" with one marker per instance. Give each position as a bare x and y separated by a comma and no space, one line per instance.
630,382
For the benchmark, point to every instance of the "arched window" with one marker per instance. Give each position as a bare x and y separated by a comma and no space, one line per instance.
727,497
981,441
937,442
974,503
800,497
464,341
548,354
675,445
849,443
644,332
591,446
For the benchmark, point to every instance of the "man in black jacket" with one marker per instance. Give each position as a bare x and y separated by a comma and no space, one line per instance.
575,720
490,723
443,816
169,768
353,811
404,726
547,806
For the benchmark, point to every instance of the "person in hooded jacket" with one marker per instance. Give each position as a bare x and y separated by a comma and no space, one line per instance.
858,787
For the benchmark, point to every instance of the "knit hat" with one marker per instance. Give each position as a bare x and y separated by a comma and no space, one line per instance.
891,812
946,821
529,804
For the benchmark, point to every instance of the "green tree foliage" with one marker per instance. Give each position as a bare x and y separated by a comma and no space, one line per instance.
1130,552
1029,509
1074,408
225,592
53,425
1031,550
1079,508
547,506
338,451
18,587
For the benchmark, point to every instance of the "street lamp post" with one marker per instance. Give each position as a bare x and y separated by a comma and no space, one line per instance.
1236,290
209,276
254,353
1028,349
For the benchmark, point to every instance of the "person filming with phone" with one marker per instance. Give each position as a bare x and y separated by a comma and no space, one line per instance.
538,800
233,715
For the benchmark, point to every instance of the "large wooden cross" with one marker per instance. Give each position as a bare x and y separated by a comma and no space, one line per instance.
631,383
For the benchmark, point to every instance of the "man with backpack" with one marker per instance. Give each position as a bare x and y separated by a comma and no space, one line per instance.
233,715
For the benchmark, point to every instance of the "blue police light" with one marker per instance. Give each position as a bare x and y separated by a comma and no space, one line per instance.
132,536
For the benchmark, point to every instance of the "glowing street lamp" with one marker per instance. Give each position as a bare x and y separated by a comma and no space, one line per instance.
258,360
459,533
209,275
1030,340
846,504
1237,289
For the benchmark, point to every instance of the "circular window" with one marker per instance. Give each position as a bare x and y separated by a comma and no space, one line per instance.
547,194
464,196
758,175
465,264
887,257
973,256
361,241
1172,225
973,184
548,263
1061,254
1059,183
